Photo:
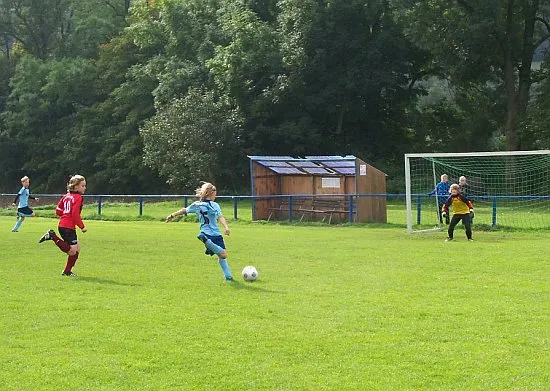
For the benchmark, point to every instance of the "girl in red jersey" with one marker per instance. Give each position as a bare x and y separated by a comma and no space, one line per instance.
69,209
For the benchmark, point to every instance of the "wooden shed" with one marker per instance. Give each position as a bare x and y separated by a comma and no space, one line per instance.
317,182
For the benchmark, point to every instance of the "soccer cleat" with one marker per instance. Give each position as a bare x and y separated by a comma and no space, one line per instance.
202,237
448,239
14,230
47,236
470,240
68,274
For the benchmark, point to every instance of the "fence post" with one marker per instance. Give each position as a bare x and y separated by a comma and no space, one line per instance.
494,212
235,203
185,201
99,205
350,213
140,206
418,209
289,208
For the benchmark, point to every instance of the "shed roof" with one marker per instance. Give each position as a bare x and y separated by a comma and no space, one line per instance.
309,165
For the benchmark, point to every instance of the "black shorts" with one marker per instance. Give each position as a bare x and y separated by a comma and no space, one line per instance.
25,211
68,235
466,219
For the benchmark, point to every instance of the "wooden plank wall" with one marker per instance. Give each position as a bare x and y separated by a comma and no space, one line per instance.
371,209
266,182
297,184
320,190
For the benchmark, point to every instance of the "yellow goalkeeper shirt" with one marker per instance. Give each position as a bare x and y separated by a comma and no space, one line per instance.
460,204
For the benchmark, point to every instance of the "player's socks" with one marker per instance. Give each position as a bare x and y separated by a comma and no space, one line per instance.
51,235
225,269
71,260
63,246
17,225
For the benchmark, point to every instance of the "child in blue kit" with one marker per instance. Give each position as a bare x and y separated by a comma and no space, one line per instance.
208,213
22,202
441,191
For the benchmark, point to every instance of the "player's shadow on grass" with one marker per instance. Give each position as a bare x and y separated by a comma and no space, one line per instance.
105,281
250,286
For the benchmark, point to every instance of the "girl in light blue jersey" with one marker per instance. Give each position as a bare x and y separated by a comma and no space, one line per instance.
22,202
208,213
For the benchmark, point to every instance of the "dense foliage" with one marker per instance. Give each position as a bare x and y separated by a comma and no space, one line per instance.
151,96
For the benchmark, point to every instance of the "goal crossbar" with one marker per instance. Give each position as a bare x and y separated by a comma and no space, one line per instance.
478,154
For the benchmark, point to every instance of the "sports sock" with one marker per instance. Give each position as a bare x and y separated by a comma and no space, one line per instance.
213,247
225,268
63,246
71,260
17,225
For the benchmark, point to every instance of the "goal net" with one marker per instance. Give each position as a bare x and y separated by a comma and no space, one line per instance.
508,189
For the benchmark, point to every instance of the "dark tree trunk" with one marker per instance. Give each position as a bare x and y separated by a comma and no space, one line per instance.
518,85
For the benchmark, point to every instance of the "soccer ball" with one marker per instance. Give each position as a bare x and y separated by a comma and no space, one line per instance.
250,273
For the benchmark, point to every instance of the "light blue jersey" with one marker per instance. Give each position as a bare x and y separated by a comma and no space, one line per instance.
24,194
208,213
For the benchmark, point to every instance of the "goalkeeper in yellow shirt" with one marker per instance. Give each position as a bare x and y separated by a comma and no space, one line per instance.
462,210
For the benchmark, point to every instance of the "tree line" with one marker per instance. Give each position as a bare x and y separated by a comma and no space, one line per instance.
150,96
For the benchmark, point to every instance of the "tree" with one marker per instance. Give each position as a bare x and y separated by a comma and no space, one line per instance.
41,108
194,138
484,42
124,100
537,129
91,24
39,25
347,73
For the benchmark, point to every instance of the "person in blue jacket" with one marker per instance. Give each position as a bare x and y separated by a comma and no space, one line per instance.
441,191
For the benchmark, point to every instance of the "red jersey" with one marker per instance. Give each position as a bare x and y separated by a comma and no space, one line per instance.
69,208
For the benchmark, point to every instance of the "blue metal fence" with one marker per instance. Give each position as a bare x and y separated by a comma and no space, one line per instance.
421,200
492,199
235,200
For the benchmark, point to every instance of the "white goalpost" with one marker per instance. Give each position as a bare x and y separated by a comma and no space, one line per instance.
508,189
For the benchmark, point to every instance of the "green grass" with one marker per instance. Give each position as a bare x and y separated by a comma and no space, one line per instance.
335,308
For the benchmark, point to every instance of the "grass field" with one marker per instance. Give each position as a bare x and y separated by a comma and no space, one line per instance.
335,308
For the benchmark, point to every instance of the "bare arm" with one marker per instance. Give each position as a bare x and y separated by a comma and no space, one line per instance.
225,226
178,212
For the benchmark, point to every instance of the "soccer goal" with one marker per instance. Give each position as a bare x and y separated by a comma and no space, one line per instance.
508,189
